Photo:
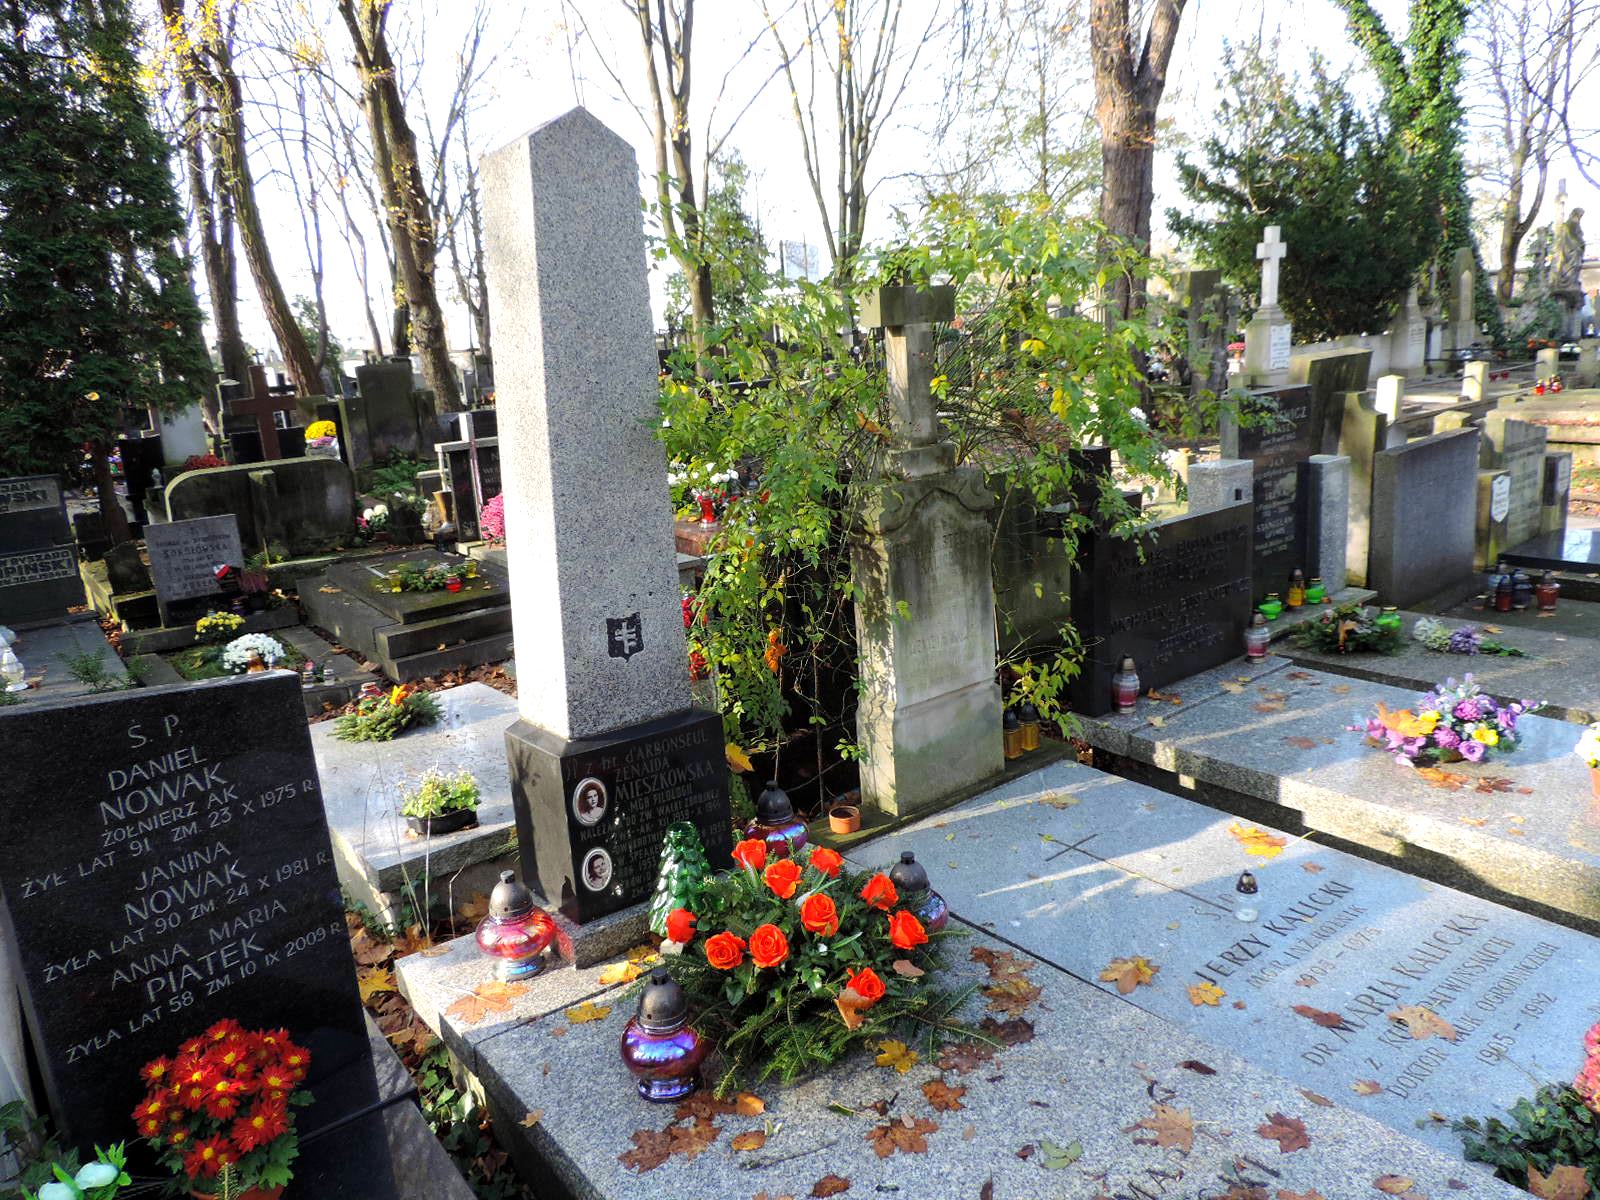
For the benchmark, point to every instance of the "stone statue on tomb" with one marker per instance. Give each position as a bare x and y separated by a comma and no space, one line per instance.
1566,269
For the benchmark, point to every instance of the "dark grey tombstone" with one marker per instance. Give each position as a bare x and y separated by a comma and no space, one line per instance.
1178,609
1330,374
38,561
458,459
184,556
1279,452
312,510
140,456
186,875
1424,516
125,570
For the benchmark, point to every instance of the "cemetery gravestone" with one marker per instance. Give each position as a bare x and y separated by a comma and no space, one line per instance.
1518,448
458,459
1555,493
1424,496
184,556
38,564
263,403
188,877
608,751
311,508
1180,609
1269,336
1279,449
1330,374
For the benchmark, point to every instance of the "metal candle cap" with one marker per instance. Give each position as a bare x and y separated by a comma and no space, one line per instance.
1126,664
1028,713
908,875
773,806
1247,885
1010,721
663,1006
510,899
1259,619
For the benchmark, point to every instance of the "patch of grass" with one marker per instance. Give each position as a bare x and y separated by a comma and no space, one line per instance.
205,662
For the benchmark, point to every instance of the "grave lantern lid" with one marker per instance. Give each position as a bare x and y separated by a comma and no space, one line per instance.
773,806
663,1006
908,875
510,898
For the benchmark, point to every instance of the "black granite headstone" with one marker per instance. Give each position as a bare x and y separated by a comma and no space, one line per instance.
1179,609
1290,434
140,456
591,814
458,461
184,556
38,562
180,872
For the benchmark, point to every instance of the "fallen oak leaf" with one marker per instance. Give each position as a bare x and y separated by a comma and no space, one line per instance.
1289,1132
492,997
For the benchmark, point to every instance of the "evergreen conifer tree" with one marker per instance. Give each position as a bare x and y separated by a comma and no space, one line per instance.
682,876
97,311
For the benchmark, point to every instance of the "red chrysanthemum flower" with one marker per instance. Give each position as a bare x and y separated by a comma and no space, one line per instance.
207,1158
157,1070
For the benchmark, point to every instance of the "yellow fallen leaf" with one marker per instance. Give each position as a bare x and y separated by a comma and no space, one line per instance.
621,972
749,1104
375,980
753,1140
1366,1087
588,1011
1258,841
1205,993
1129,973
896,1054
738,760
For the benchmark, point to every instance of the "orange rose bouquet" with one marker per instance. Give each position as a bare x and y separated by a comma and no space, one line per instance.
792,962
221,1113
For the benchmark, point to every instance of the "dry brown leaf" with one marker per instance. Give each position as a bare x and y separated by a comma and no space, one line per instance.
1311,868
942,1096
1316,1098
1129,973
702,1106
1012,996
1423,1023
1300,742
909,1135
851,1004
1313,1194
1198,1067
651,1148
965,1057
830,1185
1563,1183
1366,1087
1340,689
1328,1020
970,1132
904,966
474,910
1229,685
1289,1132
533,1117
1001,964
1166,1126
690,1140
1166,697
1394,1185
1010,1033
753,1139
1266,707
368,950
492,997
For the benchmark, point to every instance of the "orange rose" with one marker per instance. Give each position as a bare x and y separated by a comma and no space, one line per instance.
866,984
680,926
818,914
752,853
724,951
906,932
782,877
827,861
880,893
768,946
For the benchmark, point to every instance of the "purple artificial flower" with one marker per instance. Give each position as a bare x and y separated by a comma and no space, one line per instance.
1506,718
1472,750
1468,710
1447,738
1464,641
1413,746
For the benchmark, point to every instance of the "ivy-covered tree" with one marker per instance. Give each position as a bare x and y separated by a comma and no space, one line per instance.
1356,215
97,312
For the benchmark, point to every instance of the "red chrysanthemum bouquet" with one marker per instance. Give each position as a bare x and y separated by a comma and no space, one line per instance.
790,963
221,1112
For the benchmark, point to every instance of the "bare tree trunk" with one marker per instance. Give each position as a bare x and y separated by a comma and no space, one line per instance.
410,216
1127,94
111,513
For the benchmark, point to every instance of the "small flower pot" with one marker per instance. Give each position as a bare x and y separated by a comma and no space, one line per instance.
450,822
844,818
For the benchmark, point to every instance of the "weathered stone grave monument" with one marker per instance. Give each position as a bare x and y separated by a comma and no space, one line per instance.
928,717
300,506
1423,501
38,562
184,556
470,465
1177,605
1517,448
1269,337
602,662
389,415
263,403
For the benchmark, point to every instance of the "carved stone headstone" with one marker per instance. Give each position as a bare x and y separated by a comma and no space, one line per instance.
608,751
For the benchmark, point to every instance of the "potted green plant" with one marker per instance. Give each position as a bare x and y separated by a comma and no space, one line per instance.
442,803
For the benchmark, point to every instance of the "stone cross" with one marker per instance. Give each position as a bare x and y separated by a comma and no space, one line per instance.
262,404
909,317
1270,250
